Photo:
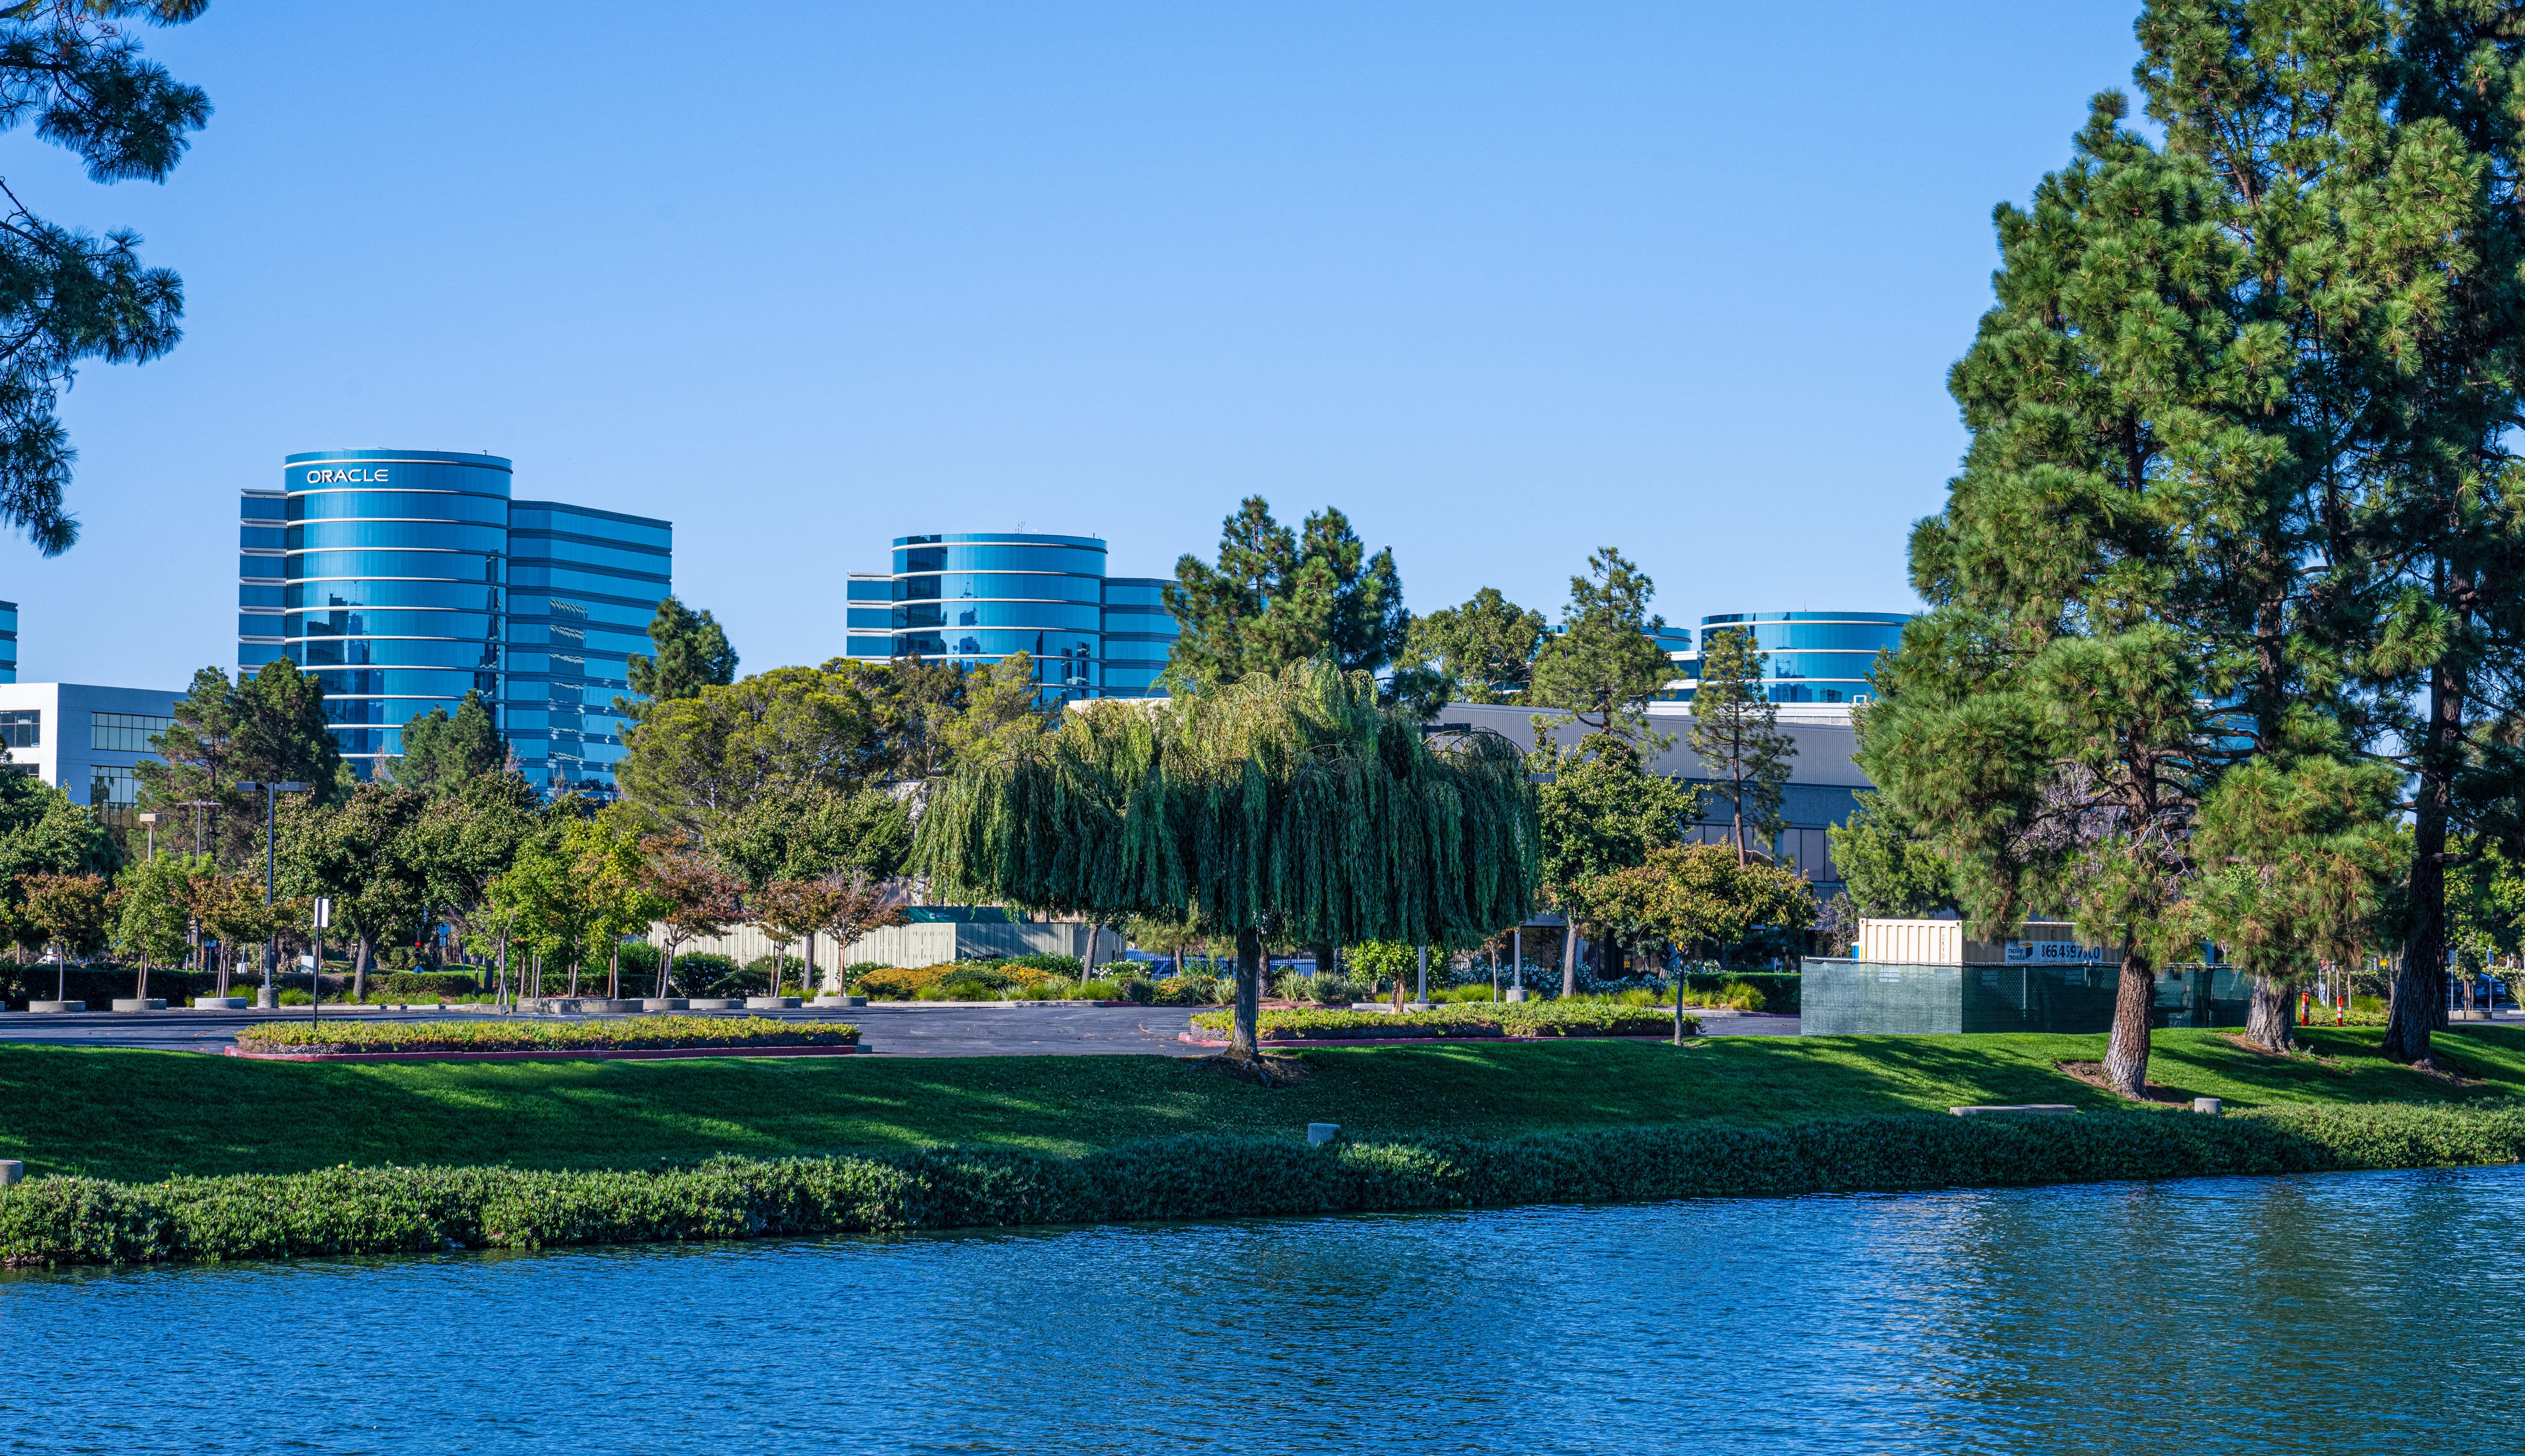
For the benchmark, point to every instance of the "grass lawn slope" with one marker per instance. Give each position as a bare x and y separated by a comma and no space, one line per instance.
139,1116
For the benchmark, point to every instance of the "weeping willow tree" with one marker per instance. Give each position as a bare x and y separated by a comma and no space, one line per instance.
1287,807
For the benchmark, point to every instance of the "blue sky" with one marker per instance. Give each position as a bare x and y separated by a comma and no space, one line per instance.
1504,282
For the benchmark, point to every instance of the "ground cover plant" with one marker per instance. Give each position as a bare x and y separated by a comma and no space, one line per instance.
385,1210
146,1115
630,1033
1561,1018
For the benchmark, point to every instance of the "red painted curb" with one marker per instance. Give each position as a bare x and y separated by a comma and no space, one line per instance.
1190,1038
598,1053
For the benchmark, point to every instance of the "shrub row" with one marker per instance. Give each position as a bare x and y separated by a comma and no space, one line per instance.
387,1210
902,984
1463,1019
631,1034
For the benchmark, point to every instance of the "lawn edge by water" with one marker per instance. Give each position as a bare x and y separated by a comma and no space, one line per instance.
64,1221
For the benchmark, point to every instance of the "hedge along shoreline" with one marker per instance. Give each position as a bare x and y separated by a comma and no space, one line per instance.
59,1221
345,1038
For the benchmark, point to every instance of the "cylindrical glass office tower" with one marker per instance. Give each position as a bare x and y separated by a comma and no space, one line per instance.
975,599
394,586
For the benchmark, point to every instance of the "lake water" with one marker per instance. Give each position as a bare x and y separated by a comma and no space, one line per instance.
2348,1313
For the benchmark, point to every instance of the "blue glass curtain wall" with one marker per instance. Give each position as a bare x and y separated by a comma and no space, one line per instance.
591,581
392,587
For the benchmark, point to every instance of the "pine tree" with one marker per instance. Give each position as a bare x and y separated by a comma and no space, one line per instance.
270,726
2368,161
1278,597
692,654
1602,667
65,296
442,753
1735,733
2046,723
1480,651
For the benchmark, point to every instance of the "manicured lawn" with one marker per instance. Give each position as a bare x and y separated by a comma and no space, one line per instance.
141,1115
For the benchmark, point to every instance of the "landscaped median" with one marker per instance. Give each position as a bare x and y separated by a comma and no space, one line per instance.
1455,1021
636,1038
49,1221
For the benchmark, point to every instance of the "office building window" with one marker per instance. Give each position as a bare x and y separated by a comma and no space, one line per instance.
113,785
23,727
126,733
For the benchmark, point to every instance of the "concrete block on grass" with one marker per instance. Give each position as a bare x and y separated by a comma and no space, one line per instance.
666,1003
714,1003
218,1003
1319,1132
771,1003
840,1001
56,1006
12,1171
131,1003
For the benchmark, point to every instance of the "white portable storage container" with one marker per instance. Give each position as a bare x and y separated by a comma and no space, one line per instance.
1942,943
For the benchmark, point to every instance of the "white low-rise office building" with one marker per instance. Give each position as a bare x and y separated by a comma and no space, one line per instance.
84,737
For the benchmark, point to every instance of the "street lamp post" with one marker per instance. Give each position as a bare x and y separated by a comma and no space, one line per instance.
272,789
198,806
150,820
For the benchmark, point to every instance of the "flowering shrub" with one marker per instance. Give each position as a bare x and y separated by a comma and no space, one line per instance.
632,1034
902,984
1463,1019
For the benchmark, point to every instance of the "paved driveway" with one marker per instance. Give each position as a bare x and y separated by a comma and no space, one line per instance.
925,1029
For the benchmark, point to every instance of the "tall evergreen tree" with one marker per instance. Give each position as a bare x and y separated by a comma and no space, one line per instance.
1278,597
2368,156
270,726
1480,651
2045,723
1735,733
1602,667
692,654
75,69
442,753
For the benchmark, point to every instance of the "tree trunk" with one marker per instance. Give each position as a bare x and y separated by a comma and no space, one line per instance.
1569,957
61,977
360,969
500,996
1678,999
1244,1022
141,991
1495,973
2126,1053
2267,1023
809,977
614,973
221,963
573,975
2419,988
667,970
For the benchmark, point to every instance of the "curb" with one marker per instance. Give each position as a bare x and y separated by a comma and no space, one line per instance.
595,1053
1266,1041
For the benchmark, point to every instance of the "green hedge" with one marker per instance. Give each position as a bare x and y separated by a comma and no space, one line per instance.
1464,1019
421,986
387,1210
637,1033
